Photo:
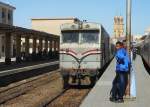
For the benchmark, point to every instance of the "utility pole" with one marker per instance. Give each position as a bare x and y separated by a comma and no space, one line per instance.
131,87
128,25
128,39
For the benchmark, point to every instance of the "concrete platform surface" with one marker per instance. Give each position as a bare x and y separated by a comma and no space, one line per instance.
28,68
99,95
14,65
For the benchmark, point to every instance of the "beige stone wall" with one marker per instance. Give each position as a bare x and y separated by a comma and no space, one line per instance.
49,25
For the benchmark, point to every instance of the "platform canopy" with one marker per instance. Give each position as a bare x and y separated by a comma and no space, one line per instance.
5,28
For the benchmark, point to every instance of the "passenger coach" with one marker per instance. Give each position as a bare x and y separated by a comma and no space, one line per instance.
145,50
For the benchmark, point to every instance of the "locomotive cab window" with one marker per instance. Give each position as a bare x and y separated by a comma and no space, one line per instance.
70,37
90,37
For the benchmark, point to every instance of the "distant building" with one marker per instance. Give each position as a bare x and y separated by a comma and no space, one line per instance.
137,38
6,17
51,25
121,39
147,31
118,27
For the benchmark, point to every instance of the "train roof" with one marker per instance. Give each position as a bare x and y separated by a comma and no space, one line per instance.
81,26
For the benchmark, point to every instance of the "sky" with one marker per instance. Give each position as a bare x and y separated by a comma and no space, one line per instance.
100,11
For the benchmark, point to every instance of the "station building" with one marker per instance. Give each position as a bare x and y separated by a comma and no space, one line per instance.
6,17
51,25
147,31
22,44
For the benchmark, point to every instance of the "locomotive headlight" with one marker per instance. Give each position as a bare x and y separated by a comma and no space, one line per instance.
87,26
97,57
62,57
73,62
85,62
73,26
67,50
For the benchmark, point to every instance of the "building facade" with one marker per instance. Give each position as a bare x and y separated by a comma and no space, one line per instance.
6,17
118,27
6,13
137,39
147,31
51,25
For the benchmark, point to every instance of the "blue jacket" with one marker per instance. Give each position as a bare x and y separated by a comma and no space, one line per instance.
123,61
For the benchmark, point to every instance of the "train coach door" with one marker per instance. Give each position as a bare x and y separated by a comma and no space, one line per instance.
102,48
103,51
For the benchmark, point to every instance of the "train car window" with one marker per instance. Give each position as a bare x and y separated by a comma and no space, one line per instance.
70,37
149,37
89,37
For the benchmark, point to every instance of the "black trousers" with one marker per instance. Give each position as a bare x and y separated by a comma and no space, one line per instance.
119,85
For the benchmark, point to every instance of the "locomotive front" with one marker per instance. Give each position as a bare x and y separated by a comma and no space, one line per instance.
79,52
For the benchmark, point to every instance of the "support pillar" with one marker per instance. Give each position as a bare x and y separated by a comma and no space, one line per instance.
27,47
46,45
12,45
40,48
34,58
8,48
50,45
58,45
40,44
55,45
45,49
50,54
34,44
18,48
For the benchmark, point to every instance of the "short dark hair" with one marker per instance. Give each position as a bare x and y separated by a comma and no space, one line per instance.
120,43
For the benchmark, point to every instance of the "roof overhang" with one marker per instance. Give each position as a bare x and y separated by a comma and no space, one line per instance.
4,28
69,18
5,5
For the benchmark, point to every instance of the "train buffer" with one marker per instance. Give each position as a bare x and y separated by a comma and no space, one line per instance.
99,95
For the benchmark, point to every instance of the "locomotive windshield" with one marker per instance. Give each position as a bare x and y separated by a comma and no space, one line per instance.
86,36
90,37
70,37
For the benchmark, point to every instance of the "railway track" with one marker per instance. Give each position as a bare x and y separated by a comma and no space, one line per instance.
69,98
42,91
45,90
17,89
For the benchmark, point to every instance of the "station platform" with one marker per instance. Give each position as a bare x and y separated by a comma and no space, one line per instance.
99,95
13,65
